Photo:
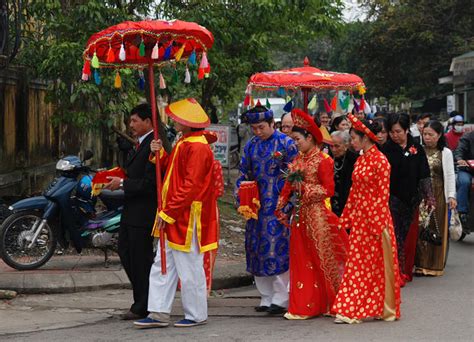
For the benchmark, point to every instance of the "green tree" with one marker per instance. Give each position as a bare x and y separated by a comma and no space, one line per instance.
250,36
405,44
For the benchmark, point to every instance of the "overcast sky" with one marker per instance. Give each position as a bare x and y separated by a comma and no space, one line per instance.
352,12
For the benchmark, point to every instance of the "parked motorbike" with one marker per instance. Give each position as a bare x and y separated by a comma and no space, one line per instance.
65,214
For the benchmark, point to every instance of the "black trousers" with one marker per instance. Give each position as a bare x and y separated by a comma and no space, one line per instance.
136,254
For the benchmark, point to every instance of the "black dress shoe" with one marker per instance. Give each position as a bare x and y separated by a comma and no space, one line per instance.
130,316
262,308
276,310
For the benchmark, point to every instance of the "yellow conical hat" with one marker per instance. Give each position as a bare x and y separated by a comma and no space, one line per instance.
188,112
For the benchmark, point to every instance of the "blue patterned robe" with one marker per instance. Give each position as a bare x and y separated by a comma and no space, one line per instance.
266,240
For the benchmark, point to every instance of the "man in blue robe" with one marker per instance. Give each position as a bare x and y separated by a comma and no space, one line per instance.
265,159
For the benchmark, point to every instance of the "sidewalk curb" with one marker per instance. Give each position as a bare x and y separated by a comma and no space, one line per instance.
92,281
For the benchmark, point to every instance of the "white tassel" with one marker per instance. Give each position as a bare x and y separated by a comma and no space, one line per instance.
162,82
187,76
85,77
155,53
122,53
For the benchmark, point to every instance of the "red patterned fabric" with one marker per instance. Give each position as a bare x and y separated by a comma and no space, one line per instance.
249,200
318,248
362,292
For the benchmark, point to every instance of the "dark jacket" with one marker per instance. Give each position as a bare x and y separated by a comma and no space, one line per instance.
409,167
465,149
140,188
343,168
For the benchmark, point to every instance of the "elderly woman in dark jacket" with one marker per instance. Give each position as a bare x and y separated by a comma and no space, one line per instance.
344,160
409,184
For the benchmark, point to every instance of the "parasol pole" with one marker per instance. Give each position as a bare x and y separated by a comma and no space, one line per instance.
156,135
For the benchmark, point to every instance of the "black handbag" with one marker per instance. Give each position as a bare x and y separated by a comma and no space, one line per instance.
427,232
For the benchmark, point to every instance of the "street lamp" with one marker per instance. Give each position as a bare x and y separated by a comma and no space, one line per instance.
10,15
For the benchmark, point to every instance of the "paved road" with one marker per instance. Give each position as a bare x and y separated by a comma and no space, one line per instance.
433,309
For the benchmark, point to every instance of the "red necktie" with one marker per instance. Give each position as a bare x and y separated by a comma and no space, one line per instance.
137,145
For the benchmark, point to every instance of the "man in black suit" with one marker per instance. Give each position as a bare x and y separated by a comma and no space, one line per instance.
135,240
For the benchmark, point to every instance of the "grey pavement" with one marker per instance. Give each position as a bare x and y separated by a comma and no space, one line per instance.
74,273
433,309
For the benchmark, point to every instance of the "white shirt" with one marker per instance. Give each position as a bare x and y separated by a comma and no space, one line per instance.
140,139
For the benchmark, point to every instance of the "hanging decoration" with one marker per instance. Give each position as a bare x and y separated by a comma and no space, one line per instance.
187,76
95,61
192,58
141,80
110,55
162,81
141,48
281,91
118,80
247,100
155,53
362,104
203,66
334,103
175,76
97,79
356,106
122,55
267,104
168,51
327,107
344,100
313,104
86,70
179,53
288,106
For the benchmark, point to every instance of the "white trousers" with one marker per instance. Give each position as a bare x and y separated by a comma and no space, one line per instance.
273,289
187,267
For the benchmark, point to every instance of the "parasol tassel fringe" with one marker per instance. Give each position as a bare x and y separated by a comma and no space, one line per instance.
110,56
97,78
247,100
118,80
204,62
356,106
95,61
192,58
122,55
162,82
141,49
187,76
168,51
179,53
86,70
155,53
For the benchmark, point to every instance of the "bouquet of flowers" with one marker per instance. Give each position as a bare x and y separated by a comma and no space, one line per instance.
295,176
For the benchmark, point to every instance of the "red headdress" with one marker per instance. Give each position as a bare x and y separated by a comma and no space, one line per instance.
359,126
305,121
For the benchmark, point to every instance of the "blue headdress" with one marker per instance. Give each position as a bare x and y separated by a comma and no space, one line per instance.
257,114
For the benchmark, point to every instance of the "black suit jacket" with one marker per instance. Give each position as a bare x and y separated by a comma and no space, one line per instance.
140,188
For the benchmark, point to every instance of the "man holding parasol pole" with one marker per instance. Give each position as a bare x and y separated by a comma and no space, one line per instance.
188,216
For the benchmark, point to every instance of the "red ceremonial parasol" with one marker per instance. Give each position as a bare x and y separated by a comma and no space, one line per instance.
306,78
143,44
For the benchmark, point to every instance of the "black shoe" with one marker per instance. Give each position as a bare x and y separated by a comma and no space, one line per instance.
130,316
262,308
463,217
276,310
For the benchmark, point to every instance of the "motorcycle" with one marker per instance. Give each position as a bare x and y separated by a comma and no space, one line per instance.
64,214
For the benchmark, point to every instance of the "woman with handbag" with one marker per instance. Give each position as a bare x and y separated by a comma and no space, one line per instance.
431,259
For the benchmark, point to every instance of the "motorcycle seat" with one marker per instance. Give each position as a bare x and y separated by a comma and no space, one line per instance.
108,194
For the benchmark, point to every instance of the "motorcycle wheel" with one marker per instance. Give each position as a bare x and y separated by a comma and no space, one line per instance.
13,242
